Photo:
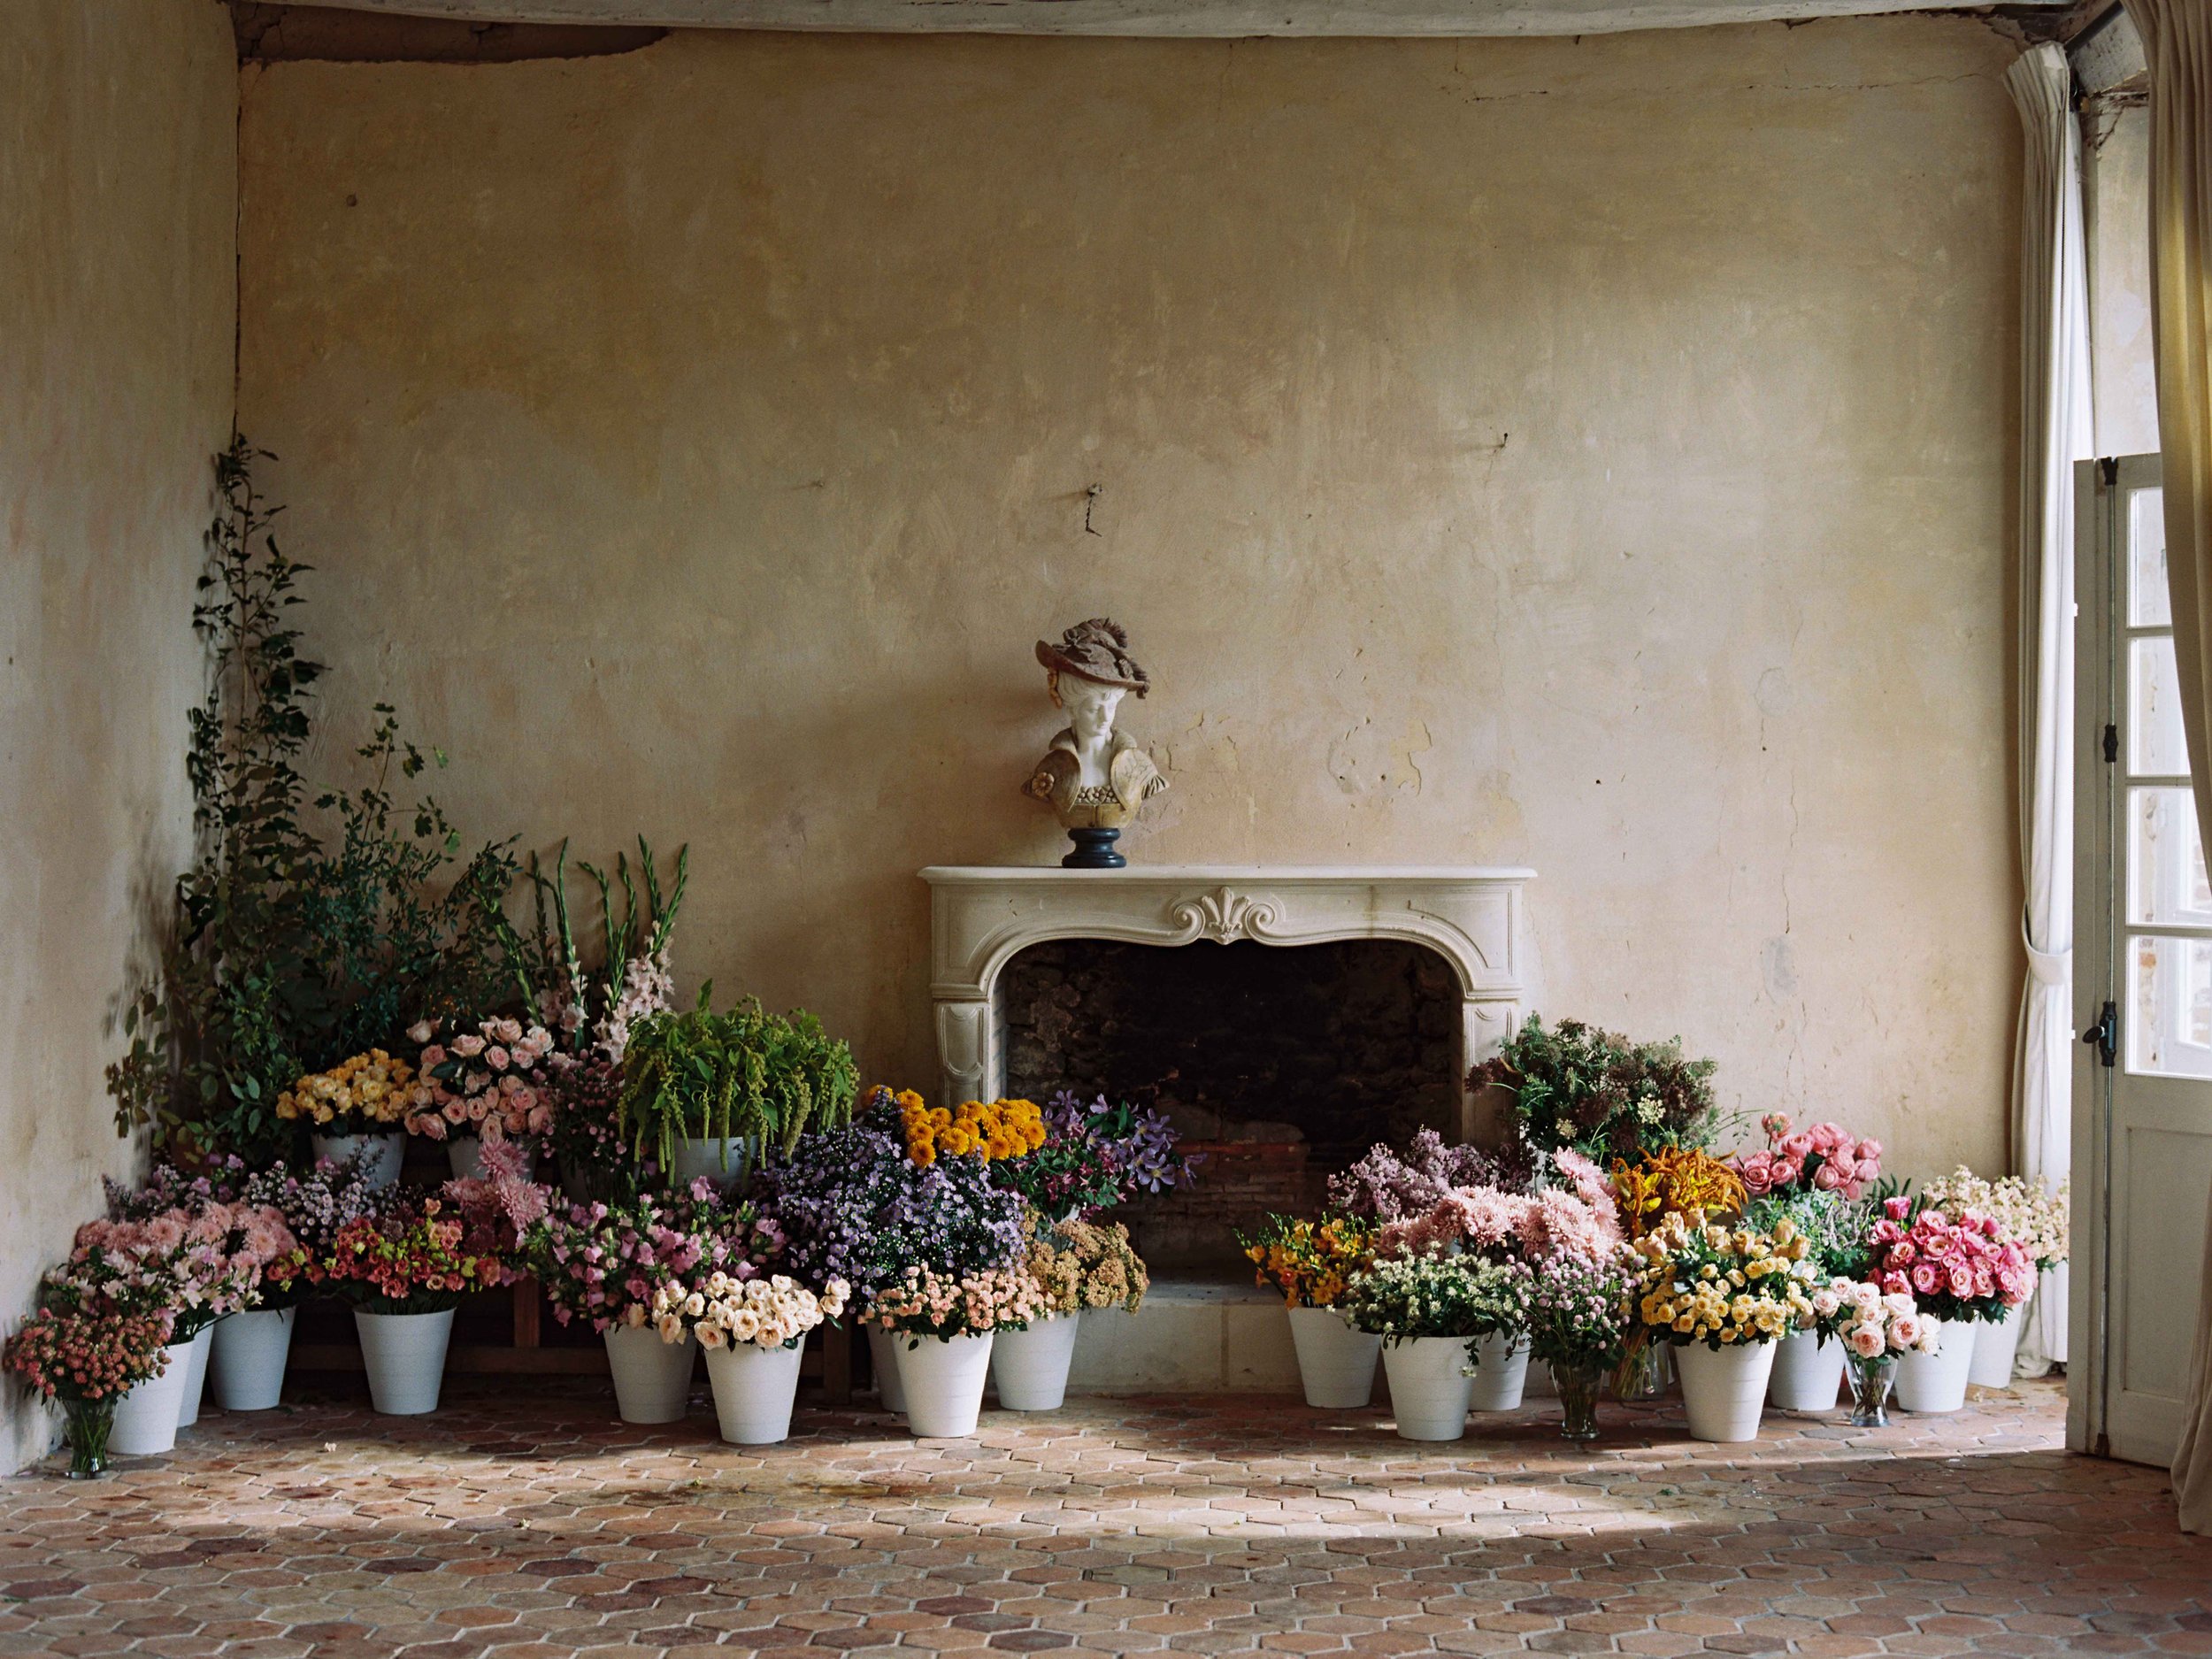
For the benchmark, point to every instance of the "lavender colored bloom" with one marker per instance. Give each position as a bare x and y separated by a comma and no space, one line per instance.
852,1204
1384,1187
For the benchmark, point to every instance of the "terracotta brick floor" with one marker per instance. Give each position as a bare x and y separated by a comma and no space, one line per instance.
529,1525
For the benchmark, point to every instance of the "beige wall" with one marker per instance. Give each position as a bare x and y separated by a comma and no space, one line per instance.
117,176
2117,191
1590,454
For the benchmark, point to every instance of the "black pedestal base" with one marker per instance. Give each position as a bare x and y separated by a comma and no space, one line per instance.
1094,851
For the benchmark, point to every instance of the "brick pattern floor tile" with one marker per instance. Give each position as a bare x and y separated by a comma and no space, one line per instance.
525,1523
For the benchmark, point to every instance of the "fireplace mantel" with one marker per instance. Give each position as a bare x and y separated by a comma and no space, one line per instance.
980,916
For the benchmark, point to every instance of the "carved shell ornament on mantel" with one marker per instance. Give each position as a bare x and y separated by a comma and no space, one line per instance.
1224,915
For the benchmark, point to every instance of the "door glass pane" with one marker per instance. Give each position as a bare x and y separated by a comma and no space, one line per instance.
2169,996
2148,606
2166,876
2156,745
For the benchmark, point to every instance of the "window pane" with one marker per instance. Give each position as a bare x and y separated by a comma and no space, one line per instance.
2148,606
2169,1006
2166,876
2156,745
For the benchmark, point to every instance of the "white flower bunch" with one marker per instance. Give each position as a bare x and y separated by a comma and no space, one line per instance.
726,1312
2025,1212
1872,1324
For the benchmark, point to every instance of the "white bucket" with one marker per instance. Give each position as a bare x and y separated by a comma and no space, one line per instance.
146,1417
1723,1389
1996,1346
1807,1372
705,1156
754,1389
194,1376
1430,1389
1336,1363
652,1379
464,1156
883,1357
405,1355
1031,1366
1500,1372
247,1365
1935,1383
943,1376
387,1152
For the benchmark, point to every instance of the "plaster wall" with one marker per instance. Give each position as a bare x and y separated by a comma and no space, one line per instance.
117,196
1594,455
2117,191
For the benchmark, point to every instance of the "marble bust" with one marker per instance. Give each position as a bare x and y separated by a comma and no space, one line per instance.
1094,777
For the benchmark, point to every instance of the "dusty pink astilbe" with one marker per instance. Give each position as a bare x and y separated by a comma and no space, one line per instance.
499,1206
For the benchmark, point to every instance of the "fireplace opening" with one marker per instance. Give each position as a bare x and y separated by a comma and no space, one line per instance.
1278,1064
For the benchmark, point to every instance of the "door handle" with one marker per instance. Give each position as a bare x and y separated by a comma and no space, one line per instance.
2104,1036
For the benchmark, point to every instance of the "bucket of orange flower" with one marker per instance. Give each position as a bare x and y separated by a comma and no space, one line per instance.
1659,1182
414,1258
1312,1262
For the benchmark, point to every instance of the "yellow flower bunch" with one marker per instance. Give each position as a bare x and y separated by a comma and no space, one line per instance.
1672,1181
372,1086
1310,1261
996,1129
1695,1282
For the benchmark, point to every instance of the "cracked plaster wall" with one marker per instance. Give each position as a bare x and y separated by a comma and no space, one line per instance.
1591,454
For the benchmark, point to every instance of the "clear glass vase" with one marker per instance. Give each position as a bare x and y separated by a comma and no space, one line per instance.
89,1422
1579,1386
1647,1373
1870,1389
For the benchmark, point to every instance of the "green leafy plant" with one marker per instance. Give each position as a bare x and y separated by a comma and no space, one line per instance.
1597,1092
744,1076
289,951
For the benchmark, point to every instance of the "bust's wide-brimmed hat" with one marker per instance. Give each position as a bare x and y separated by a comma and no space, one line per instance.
1097,650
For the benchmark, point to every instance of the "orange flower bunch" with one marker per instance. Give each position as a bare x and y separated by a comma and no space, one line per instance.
1000,1129
1675,1181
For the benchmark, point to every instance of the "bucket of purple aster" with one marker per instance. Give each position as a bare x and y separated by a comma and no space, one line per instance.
1096,1155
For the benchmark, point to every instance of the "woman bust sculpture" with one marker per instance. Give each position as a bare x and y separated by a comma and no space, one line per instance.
1094,777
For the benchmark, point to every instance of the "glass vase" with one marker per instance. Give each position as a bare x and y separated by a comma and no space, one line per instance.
88,1423
1869,1390
1646,1373
1579,1386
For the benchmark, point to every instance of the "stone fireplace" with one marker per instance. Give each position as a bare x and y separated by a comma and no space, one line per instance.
1314,1012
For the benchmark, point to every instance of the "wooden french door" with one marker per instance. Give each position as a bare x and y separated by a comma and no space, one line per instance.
2142,985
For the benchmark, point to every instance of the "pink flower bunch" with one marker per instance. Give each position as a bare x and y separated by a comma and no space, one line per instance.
203,1264
1579,1220
925,1303
88,1351
1955,1270
1827,1157
1872,1323
491,1081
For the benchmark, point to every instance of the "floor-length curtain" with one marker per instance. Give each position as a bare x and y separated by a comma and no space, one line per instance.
2178,44
2055,433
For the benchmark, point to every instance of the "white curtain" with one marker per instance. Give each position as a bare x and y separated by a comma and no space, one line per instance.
2177,42
2055,433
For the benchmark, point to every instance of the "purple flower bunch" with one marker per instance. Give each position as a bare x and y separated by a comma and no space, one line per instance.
1095,1156
606,1264
1580,1315
315,1204
1385,1186
587,1133
852,1205
168,1188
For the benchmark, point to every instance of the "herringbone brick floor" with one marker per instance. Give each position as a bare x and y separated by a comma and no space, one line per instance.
523,1521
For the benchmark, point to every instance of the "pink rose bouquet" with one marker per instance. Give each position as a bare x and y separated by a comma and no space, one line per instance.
1874,1324
493,1081
1825,1157
1965,1268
